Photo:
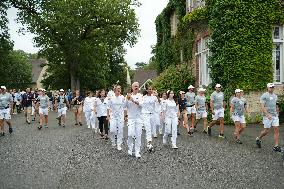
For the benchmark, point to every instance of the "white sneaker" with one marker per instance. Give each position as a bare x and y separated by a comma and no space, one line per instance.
150,147
174,146
119,147
113,144
138,155
129,152
160,131
89,126
164,141
155,136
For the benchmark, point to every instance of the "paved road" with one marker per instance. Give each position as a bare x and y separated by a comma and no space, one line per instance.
73,157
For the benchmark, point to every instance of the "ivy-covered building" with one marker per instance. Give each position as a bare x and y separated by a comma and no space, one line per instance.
236,43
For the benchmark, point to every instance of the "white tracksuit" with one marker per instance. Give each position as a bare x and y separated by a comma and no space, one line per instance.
88,108
116,105
162,116
148,110
171,120
157,118
135,123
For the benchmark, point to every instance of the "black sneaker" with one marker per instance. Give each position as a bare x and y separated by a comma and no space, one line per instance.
39,128
80,124
190,133
209,131
10,130
63,125
238,141
258,142
277,149
76,123
3,134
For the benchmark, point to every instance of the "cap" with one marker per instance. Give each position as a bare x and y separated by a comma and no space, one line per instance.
3,87
190,87
201,89
237,90
61,90
218,85
181,92
241,90
270,85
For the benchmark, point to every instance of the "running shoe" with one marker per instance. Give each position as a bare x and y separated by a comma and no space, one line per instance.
209,131
45,126
277,149
10,130
39,127
80,124
138,155
221,136
258,142
129,152
119,147
238,141
76,123
190,133
174,146
63,125
106,137
155,136
150,147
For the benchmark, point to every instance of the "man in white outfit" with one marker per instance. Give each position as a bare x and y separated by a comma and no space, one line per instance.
135,120
115,115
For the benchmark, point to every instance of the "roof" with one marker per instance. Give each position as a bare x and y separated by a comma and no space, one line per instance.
37,66
142,76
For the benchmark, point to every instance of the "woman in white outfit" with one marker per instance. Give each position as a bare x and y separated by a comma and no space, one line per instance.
157,115
115,115
135,120
148,110
171,111
101,109
162,115
88,109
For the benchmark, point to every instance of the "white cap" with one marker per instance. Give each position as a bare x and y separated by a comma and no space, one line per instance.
181,92
237,90
269,85
190,87
218,85
61,90
3,87
201,89
241,90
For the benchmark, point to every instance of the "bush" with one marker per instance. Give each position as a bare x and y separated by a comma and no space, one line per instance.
174,78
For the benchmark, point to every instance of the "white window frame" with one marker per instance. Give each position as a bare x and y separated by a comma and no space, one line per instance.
194,4
202,54
280,42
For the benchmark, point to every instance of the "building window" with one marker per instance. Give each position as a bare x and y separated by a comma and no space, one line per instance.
202,55
278,64
194,4
174,24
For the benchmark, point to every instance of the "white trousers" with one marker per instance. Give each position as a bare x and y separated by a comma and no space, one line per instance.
91,118
134,134
116,128
171,128
149,123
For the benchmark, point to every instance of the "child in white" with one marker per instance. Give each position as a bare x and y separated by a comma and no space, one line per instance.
171,112
88,109
115,115
148,110
135,120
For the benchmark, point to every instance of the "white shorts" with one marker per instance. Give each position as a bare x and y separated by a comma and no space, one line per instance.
5,114
191,110
237,118
43,111
219,113
201,114
274,122
62,111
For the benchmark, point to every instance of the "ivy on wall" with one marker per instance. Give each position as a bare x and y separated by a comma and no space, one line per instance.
241,45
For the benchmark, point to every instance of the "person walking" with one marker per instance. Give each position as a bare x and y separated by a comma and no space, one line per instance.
270,111
101,109
182,102
89,108
190,108
43,106
18,98
27,99
6,104
148,110
201,108
162,117
61,103
135,120
116,117
172,113
77,102
217,107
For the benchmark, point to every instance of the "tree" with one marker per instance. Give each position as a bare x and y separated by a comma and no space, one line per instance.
79,35
140,65
16,71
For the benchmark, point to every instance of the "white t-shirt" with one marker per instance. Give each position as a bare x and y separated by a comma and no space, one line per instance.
170,108
134,110
101,106
148,104
116,105
89,103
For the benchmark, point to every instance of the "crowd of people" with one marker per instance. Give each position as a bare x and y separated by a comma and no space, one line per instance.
161,114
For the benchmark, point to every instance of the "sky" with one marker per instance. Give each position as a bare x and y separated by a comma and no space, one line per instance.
141,52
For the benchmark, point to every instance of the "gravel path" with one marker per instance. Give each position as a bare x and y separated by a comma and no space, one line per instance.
74,157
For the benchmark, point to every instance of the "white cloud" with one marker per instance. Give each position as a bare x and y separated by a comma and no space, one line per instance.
141,52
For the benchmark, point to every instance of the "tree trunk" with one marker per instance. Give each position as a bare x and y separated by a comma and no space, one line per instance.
75,81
